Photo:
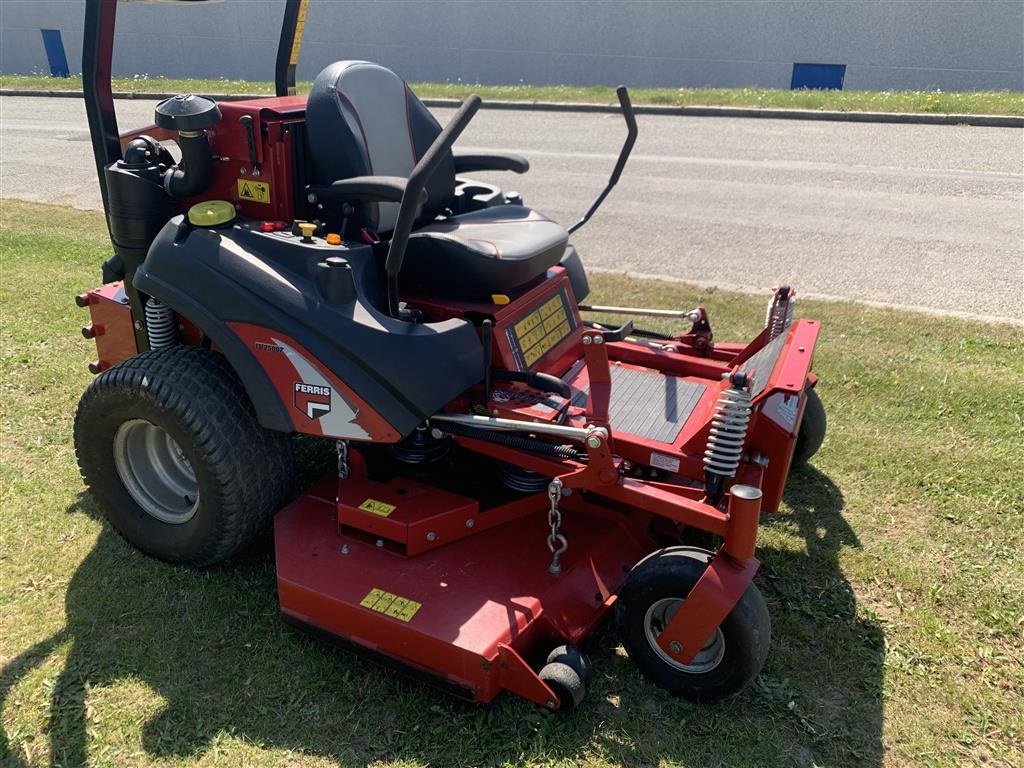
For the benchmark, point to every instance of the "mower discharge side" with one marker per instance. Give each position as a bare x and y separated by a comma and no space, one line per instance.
509,473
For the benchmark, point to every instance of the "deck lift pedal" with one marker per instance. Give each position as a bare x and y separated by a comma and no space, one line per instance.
508,473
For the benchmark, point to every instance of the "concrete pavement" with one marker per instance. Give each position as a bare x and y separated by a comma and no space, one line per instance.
919,216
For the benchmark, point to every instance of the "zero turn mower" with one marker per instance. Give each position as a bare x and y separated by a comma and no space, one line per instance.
509,474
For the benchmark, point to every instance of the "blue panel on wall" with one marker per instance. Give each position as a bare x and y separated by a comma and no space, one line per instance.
55,53
826,76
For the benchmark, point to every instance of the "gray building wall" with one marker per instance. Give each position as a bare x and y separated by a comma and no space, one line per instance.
886,44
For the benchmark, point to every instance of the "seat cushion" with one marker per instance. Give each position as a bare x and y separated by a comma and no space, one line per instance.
491,250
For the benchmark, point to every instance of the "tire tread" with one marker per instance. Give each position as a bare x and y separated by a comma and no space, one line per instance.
252,466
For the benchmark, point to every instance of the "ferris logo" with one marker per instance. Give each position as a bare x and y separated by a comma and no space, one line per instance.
312,399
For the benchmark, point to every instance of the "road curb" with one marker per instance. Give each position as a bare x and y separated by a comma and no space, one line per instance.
912,118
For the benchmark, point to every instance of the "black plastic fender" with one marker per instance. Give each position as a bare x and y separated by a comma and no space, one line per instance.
269,409
405,372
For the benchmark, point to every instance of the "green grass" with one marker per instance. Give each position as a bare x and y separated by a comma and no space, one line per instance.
970,102
893,574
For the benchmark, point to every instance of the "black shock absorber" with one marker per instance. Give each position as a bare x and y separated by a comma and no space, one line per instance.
728,433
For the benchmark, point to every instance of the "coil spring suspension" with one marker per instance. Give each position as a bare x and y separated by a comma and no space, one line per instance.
160,325
780,312
728,433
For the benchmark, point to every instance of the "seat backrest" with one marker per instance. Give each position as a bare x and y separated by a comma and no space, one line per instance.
363,120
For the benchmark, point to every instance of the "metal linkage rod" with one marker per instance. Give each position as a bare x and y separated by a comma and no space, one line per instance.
693,315
579,434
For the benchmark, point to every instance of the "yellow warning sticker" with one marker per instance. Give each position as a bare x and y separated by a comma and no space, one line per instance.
542,330
377,507
254,191
300,28
391,605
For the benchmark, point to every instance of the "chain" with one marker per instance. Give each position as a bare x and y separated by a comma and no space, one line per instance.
557,543
343,470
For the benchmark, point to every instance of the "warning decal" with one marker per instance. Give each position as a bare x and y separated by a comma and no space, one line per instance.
377,507
254,191
390,605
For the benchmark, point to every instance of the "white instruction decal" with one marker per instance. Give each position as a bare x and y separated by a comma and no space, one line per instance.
662,461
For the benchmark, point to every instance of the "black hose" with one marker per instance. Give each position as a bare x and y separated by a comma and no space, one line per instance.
197,160
517,442
545,382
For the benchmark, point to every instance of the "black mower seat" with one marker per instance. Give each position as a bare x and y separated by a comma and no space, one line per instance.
362,120
487,251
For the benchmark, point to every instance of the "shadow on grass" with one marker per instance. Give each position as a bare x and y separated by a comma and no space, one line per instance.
211,648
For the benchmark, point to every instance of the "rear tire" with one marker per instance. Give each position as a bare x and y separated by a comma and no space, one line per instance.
730,659
812,429
171,450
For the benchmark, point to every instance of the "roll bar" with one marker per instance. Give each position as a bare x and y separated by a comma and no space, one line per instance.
409,208
97,52
288,46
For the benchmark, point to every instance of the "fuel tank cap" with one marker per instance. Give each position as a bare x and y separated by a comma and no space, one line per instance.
211,213
187,112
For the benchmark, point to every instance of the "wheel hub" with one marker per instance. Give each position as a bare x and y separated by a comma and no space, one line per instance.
156,472
657,618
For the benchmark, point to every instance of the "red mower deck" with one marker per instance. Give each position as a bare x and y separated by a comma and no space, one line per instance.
468,612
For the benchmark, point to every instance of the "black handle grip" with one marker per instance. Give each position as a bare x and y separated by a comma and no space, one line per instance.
631,133
409,208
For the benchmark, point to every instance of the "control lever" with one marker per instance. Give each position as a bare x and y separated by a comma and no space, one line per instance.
627,147
617,334
250,139
415,188
487,339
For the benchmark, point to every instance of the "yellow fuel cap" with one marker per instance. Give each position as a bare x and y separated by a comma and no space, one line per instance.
211,213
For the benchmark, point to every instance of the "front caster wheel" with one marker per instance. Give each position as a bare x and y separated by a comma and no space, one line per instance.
575,658
170,448
729,660
566,682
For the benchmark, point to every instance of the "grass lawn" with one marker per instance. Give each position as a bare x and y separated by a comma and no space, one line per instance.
969,102
894,576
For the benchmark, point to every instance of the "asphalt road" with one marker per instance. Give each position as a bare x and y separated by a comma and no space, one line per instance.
928,217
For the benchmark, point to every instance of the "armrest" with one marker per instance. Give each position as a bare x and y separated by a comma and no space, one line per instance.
469,162
369,189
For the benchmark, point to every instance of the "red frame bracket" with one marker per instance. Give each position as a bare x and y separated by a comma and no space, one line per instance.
517,676
595,354
719,588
